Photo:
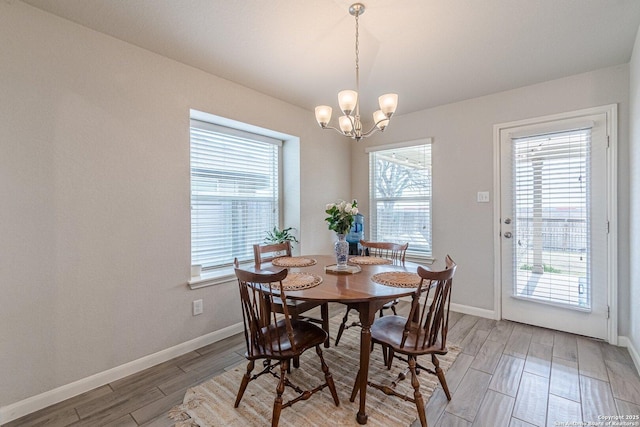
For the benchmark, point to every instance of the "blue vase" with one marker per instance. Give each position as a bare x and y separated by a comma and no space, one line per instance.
342,252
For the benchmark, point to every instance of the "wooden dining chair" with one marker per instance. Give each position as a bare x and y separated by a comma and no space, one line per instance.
276,338
422,332
264,254
394,252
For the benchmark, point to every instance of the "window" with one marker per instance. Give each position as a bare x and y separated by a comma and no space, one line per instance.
400,195
235,178
552,193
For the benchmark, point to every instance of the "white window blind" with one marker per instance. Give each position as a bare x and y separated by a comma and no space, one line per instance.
551,177
400,197
234,193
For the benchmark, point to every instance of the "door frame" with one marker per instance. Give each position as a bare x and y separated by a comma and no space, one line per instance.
611,112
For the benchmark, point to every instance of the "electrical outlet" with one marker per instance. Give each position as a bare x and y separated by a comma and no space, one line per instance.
197,307
483,196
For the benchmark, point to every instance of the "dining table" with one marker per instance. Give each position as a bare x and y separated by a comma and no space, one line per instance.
358,286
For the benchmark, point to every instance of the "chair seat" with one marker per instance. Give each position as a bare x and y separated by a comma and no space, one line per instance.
305,335
388,330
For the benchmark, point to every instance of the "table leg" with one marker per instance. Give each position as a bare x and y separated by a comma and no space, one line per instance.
366,319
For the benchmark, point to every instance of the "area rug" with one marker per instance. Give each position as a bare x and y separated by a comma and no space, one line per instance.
211,403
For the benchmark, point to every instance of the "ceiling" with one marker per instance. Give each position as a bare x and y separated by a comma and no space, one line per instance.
430,52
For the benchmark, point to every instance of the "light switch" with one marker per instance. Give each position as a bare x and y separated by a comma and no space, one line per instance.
483,197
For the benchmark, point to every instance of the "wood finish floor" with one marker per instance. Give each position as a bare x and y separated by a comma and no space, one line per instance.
508,374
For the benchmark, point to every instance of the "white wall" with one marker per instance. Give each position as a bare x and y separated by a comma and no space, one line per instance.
634,160
463,165
94,190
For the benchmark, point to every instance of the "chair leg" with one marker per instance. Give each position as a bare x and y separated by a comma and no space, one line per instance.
324,313
342,325
390,358
384,354
328,377
416,392
391,306
296,359
440,374
355,390
243,385
277,403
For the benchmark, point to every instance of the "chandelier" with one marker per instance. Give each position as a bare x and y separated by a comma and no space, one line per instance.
350,124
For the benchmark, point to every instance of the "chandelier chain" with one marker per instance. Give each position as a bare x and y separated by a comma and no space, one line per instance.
357,63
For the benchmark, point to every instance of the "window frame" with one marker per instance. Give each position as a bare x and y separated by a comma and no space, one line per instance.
411,254
221,273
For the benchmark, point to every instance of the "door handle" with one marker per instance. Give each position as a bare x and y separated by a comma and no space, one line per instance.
507,234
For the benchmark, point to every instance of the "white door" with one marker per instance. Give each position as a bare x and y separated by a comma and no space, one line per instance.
554,224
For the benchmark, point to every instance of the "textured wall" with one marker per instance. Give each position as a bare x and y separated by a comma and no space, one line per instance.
94,183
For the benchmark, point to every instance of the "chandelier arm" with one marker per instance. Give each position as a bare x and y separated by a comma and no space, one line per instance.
337,130
374,128
354,126
371,132
352,119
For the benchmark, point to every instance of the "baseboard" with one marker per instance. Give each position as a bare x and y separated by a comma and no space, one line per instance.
474,311
635,356
465,309
48,398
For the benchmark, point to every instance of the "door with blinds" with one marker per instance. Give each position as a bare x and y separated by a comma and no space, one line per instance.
554,224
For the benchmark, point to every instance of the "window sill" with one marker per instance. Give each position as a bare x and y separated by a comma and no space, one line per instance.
421,260
211,278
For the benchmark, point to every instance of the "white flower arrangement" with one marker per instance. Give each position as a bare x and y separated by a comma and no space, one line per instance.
341,215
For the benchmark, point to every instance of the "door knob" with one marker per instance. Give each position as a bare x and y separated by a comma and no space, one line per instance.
508,234
507,221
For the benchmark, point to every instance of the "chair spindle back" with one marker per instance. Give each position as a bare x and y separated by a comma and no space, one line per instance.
265,331
393,251
267,253
428,324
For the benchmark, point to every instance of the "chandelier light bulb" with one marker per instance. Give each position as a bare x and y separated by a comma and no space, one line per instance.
323,114
380,119
347,100
345,125
388,103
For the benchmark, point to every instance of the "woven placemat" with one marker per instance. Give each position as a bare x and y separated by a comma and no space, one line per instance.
293,261
369,260
397,279
300,281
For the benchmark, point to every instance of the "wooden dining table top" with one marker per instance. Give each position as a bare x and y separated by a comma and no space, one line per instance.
346,287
